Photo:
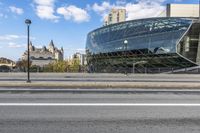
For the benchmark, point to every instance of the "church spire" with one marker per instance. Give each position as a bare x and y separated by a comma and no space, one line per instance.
30,46
30,43
51,44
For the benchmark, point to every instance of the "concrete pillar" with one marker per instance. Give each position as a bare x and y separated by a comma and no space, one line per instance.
133,68
145,70
198,52
186,44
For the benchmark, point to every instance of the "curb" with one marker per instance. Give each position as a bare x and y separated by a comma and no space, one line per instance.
101,85
111,91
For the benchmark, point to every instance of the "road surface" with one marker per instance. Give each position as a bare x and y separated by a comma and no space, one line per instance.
74,112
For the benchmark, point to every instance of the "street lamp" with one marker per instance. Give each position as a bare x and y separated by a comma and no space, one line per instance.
125,51
28,22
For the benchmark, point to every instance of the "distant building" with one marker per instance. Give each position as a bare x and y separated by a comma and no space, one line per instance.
6,61
182,10
6,65
115,16
81,57
44,56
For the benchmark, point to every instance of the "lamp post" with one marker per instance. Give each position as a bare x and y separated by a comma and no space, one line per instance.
125,50
28,22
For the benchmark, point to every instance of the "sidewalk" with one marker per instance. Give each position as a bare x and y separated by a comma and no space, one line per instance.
96,85
95,81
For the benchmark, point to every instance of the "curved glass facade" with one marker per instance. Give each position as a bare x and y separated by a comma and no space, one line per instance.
146,43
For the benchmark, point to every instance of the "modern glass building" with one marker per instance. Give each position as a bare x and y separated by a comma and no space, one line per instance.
146,45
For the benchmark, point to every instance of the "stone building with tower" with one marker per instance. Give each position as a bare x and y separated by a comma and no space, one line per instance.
45,55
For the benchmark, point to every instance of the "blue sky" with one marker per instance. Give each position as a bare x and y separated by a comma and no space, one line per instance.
67,22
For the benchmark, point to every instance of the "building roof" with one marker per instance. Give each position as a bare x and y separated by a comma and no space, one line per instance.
5,60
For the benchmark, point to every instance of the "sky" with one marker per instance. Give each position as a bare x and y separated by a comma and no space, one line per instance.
66,22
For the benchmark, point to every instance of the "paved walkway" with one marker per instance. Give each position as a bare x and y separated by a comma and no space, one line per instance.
84,80
58,84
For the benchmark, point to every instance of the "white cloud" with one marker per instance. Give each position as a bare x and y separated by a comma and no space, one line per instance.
38,46
1,15
81,50
102,9
121,2
14,45
16,10
177,0
137,10
45,2
10,37
145,9
13,37
74,13
45,10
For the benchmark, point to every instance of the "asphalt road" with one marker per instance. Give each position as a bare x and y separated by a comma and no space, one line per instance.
23,112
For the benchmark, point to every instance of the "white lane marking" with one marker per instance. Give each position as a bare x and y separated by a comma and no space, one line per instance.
106,104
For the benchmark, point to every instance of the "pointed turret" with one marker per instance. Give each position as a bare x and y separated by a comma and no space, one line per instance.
51,47
51,44
30,46
44,48
30,43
